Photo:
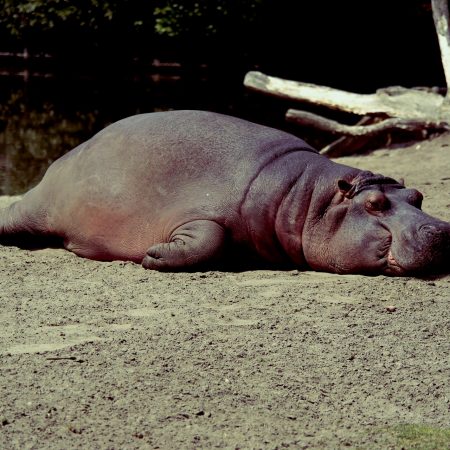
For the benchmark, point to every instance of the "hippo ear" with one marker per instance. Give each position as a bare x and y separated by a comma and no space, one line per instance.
344,186
401,181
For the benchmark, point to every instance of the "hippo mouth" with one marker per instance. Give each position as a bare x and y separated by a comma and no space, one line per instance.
392,265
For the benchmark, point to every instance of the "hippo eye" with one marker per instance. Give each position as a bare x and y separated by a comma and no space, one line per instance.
376,202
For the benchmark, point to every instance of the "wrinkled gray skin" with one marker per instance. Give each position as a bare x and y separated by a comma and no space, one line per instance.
196,190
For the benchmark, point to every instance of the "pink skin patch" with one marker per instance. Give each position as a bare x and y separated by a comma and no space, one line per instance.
393,264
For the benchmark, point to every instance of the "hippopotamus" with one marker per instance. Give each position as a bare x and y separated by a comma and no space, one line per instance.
195,190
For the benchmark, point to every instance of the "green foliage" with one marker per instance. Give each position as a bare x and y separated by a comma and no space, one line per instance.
203,17
25,18
21,17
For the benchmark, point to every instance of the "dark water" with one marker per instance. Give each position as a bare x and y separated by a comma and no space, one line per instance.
42,118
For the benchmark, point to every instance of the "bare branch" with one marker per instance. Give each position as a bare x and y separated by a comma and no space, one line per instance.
331,126
348,145
344,146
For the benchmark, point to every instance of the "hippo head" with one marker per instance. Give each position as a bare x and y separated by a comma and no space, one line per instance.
374,225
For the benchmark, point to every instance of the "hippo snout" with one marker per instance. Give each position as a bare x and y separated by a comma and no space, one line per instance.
423,248
435,233
434,240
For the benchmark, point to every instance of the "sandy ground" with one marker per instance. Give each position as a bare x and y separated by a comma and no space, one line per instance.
110,356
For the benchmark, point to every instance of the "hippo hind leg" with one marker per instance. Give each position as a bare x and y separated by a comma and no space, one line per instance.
22,227
192,246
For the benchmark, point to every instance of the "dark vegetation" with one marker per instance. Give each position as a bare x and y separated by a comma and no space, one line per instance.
357,45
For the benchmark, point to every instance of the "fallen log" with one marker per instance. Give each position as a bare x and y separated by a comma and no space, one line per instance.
394,101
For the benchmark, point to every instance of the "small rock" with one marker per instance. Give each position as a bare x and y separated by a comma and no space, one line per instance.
391,308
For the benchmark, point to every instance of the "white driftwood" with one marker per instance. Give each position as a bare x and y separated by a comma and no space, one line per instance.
394,101
387,110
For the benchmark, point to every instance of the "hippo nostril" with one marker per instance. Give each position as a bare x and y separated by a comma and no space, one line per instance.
428,228
436,236
432,229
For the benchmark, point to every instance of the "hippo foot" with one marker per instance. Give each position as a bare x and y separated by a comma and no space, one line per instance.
190,246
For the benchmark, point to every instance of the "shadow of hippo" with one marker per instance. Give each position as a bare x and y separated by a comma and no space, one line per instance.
192,190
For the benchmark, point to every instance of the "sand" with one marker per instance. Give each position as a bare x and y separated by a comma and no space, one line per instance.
111,356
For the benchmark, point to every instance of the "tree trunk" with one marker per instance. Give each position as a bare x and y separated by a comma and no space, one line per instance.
441,23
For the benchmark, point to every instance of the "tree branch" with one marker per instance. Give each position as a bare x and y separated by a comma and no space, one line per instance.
331,126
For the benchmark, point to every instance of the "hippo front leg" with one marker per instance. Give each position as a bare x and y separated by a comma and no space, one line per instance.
190,245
